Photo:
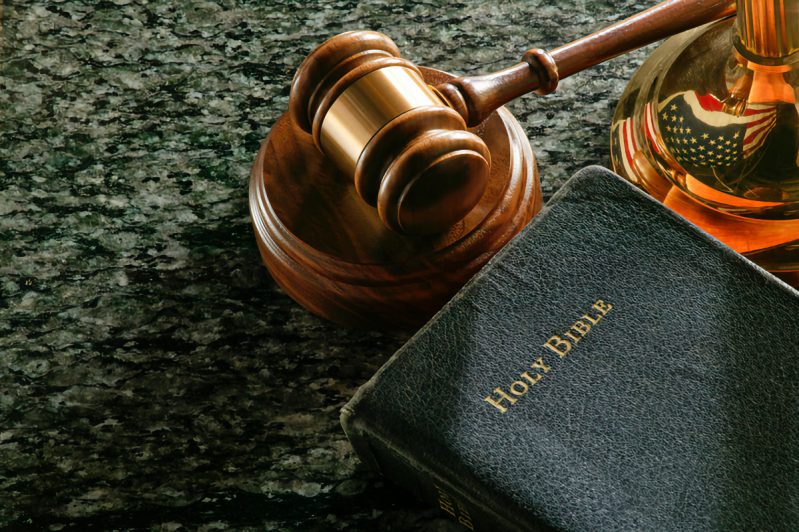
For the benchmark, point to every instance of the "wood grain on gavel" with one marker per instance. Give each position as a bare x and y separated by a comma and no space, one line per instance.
450,171
475,97
405,143
331,253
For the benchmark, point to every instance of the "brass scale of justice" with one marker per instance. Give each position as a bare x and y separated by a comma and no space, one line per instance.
386,186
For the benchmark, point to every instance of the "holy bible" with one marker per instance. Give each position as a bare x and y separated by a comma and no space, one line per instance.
612,368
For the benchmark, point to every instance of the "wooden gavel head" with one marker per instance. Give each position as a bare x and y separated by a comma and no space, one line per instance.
357,109
371,113
406,144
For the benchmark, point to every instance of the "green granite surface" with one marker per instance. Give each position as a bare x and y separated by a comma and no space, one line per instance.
152,375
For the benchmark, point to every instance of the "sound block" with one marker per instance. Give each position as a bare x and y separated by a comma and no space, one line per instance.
328,250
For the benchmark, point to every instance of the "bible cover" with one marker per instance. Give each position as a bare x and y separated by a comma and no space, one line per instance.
613,367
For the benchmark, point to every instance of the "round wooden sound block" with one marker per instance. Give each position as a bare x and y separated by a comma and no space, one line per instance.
329,251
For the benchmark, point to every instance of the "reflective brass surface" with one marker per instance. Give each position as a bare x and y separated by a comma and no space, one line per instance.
366,106
709,125
769,28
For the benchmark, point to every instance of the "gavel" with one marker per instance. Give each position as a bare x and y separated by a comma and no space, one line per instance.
407,145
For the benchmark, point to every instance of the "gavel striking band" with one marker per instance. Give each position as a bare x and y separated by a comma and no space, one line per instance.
406,144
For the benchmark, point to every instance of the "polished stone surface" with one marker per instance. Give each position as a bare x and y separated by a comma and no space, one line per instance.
152,375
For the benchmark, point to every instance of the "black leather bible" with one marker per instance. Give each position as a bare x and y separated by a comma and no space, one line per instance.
612,368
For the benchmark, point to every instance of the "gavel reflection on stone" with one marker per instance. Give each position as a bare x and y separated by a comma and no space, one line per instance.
450,170
406,143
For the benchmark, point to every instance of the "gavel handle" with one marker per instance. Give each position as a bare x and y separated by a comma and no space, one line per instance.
475,97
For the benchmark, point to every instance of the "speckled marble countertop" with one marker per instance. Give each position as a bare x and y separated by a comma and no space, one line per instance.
152,375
